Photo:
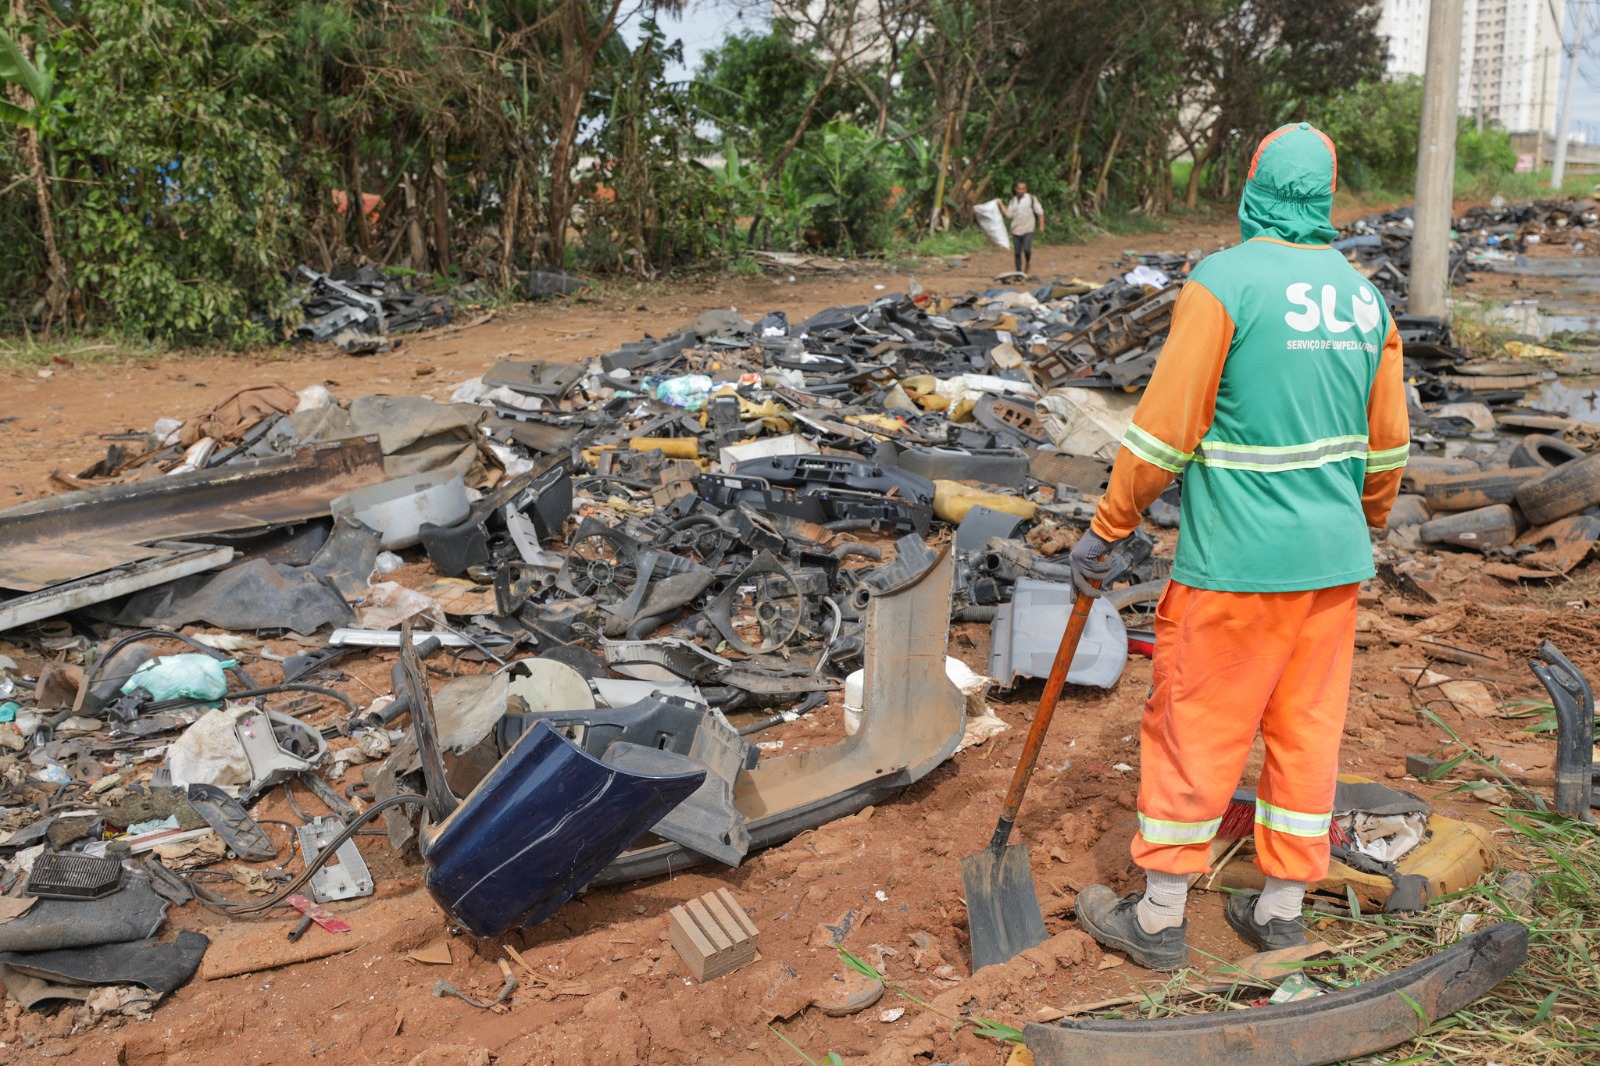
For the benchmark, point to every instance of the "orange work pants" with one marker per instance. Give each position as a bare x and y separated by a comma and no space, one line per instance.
1227,664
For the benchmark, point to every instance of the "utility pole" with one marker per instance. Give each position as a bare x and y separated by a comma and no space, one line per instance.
1436,161
1558,170
1544,106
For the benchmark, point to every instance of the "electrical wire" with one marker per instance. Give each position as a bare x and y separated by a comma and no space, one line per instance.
227,906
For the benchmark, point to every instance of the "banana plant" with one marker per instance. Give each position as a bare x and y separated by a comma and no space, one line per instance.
42,79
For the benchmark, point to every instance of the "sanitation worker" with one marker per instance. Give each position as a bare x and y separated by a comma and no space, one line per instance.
1280,398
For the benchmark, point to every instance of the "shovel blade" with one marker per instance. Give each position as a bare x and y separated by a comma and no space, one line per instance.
1002,907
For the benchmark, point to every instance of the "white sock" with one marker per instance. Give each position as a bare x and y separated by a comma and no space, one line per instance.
1164,897
1280,899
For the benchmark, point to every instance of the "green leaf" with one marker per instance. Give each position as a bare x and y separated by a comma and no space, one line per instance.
15,115
15,68
856,963
996,1030
1422,1015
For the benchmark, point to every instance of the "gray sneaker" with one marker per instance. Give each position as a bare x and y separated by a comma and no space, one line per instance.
1271,936
1115,924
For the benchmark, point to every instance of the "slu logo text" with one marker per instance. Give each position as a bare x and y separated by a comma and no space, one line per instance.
1315,314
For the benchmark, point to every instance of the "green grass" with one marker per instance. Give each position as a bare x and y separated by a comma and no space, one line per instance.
1518,187
965,241
28,351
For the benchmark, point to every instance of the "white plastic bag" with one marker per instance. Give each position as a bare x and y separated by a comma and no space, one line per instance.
992,220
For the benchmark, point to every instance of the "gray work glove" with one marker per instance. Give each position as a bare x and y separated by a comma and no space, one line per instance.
1091,561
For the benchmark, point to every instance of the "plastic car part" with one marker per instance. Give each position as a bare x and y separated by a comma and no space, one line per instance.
544,821
68,875
1347,1024
277,747
707,822
348,878
232,823
982,524
838,472
665,723
996,466
912,559
1090,476
1010,419
1028,630
726,492
761,608
534,377
537,829
1575,731
455,548
912,721
398,509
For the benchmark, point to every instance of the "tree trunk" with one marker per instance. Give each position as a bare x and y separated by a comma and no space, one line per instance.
508,226
57,282
441,208
1102,182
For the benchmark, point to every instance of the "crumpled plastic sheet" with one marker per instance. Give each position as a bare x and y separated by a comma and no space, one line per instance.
209,753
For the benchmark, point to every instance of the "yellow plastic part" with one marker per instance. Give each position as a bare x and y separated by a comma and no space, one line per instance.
671,447
952,500
1455,856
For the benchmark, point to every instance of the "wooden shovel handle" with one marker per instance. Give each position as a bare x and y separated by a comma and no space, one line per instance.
1041,721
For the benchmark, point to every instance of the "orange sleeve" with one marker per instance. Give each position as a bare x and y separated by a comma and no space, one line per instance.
1174,413
1388,432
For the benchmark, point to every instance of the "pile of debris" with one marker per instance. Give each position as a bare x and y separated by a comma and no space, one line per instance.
360,310
656,562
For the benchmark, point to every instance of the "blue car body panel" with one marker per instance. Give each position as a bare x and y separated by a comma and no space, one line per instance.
538,828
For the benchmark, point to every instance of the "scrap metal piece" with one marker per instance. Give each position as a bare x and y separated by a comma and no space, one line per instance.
445,988
75,534
348,878
181,560
1344,1025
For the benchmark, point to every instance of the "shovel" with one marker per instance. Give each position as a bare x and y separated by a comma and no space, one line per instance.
1002,905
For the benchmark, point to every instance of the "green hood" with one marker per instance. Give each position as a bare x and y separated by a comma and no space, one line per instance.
1289,192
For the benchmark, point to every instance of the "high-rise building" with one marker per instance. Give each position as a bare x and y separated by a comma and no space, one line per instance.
1510,57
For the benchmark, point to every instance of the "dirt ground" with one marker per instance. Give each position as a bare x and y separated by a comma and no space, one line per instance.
610,989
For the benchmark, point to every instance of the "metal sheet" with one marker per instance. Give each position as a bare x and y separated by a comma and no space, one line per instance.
105,526
180,560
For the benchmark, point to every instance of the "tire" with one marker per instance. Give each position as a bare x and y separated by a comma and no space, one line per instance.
1468,492
1543,452
1408,510
1567,489
1486,527
1422,469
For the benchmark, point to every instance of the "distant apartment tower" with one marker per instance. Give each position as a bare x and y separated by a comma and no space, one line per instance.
1510,56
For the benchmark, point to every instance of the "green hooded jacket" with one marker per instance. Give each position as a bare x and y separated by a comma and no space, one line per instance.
1276,464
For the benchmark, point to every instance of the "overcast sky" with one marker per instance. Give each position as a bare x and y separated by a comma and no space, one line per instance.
705,23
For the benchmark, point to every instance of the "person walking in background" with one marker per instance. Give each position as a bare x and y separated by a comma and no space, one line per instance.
1026,216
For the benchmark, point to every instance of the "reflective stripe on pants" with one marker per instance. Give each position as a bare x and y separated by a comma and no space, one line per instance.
1226,665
